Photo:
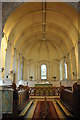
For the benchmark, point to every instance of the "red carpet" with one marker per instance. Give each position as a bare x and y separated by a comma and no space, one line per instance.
45,111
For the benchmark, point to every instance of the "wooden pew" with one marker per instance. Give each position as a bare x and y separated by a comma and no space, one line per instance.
64,109
71,99
25,110
23,96
66,97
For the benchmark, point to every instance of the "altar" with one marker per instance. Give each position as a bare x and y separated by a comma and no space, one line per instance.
43,85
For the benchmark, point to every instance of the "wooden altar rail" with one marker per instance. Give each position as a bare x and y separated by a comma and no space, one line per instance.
42,91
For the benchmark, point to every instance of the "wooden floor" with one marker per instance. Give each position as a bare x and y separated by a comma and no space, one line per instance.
31,110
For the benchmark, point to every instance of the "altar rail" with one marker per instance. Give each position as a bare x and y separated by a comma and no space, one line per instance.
42,91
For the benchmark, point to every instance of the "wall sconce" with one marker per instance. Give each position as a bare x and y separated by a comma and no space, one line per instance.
11,71
54,78
74,74
2,69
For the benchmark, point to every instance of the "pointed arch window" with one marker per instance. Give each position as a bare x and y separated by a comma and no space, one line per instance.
43,72
60,71
65,70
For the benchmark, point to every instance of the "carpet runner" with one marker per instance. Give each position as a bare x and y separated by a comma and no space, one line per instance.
45,110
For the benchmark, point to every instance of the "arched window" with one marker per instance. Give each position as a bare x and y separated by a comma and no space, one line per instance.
21,71
43,71
60,71
65,70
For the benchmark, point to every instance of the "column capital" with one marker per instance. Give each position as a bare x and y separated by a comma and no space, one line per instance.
78,42
28,62
22,58
15,49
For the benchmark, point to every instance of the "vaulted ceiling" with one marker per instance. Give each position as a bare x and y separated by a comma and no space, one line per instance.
43,31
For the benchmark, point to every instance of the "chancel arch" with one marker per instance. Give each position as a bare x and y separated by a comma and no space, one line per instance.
40,60
34,35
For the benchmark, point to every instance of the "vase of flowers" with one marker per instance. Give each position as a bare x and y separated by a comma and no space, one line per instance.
54,78
31,77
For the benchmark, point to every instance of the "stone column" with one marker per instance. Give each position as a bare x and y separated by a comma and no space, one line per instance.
25,70
78,41
22,68
39,71
69,67
0,64
8,60
19,75
17,66
76,57
48,71
15,63
28,70
0,58
73,60
79,60
21,62
35,70
3,49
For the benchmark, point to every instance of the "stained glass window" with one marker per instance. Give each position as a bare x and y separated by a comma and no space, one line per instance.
65,70
43,71
60,71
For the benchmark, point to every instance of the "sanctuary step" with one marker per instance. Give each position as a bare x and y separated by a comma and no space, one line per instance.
25,110
64,109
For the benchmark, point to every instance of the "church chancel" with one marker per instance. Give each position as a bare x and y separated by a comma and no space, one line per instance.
40,60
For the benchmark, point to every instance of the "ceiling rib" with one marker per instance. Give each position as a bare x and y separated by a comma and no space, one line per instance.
43,20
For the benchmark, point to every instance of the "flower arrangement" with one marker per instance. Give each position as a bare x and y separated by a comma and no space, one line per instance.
54,77
11,71
31,77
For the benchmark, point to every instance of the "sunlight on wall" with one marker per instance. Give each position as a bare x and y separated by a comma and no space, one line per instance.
12,53
76,54
3,50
